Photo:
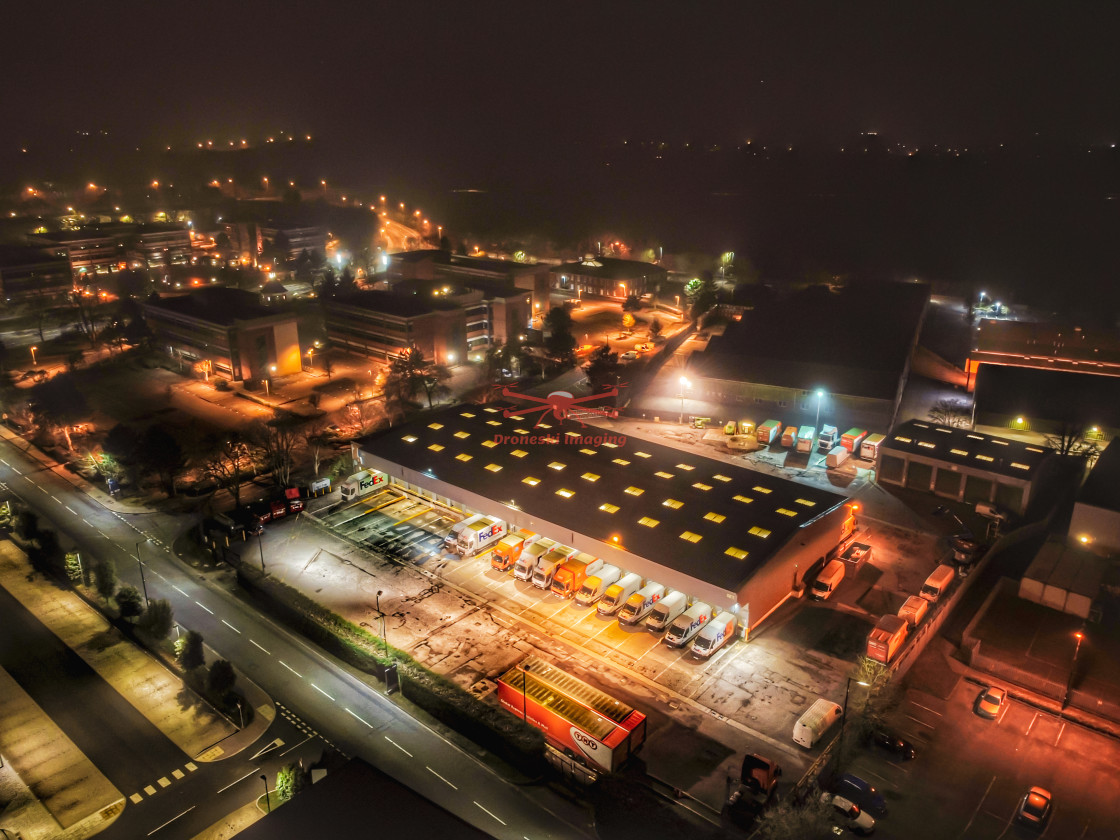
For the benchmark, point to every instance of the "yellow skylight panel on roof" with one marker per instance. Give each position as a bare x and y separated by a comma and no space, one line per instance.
643,454
556,465
622,462
523,431
589,476
684,467
712,516
544,426
588,451
663,474
959,452
409,438
490,410
691,537
494,467
649,522
759,532
519,453
984,458
787,512
436,447
532,482
739,497
902,439
516,417
699,485
572,434
999,442
1034,449
634,491
719,477
462,435
975,437
610,445
921,425
927,444
463,456
489,444
673,503
608,507
761,489
567,494
806,502
493,422
1019,466
737,553
465,414
435,425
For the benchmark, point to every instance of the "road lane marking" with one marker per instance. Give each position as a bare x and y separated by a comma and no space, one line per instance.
978,804
205,608
180,591
243,778
438,776
136,799
5,463
53,496
71,510
231,627
264,649
406,752
927,708
290,668
294,746
164,782
178,774
370,725
322,692
40,486
491,813
1060,732
90,524
1002,714
166,824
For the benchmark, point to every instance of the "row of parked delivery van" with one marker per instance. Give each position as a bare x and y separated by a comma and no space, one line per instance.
570,573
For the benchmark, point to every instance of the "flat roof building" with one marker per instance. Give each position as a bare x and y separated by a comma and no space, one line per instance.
27,273
609,277
1096,513
728,535
381,324
1048,401
962,464
1044,346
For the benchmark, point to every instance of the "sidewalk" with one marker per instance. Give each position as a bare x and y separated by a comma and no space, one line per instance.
138,677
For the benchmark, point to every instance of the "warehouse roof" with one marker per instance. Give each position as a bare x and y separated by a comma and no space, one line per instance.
968,449
714,521
1102,487
214,304
609,268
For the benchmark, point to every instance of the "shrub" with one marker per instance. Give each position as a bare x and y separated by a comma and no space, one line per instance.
159,619
220,680
105,577
130,602
188,651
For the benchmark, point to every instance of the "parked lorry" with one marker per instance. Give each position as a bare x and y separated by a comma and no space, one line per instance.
549,563
362,484
509,548
853,439
714,635
480,535
688,624
617,593
805,436
769,432
938,583
530,556
595,585
666,611
572,574
886,638
639,604
836,456
914,610
757,783
789,437
827,438
451,541
869,449
816,720
827,580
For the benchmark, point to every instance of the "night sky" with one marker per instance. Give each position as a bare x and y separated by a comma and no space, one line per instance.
481,79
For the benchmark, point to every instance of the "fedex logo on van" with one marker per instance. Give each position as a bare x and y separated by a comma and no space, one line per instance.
494,530
699,621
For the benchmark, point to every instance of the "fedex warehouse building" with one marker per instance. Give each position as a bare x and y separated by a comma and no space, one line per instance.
732,537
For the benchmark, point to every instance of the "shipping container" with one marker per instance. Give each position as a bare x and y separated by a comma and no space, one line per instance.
914,610
852,439
887,637
805,436
789,437
836,456
769,432
869,449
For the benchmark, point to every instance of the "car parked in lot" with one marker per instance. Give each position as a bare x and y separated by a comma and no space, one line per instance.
858,820
1034,809
893,743
990,702
628,356
863,793
644,347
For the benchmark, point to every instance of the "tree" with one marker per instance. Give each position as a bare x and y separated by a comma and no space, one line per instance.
291,780
560,344
129,601
317,441
160,452
949,412
655,328
798,820
220,680
189,652
277,441
58,404
628,321
631,304
1068,439
122,444
870,702
159,618
346,284
229,455
410,373
46,555
602,368
105,577
27,525
701,294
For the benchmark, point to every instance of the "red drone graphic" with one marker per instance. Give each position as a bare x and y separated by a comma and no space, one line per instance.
560,403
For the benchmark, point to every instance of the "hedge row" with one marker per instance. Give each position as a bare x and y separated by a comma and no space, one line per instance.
489,726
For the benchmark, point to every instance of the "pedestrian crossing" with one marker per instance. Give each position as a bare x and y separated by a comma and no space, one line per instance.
306,728
162,782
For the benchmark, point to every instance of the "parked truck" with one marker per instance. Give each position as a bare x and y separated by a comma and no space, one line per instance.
549,563
714,635
805,436
914,610
758,782
480,535
451,541
853,439
789,437
572,574
815,722
887,637
666,611
509,548
827,438
869,449
596,584
688,624
639,604
362,484
769,432
527,562
617,593
836,456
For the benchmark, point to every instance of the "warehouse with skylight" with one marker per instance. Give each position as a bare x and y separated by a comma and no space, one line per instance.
735,538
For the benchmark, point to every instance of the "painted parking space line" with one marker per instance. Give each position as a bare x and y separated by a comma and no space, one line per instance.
987,790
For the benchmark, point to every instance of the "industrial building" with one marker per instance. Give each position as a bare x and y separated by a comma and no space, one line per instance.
735,538
1048,402
1096,513
609,277
1043,346
963,465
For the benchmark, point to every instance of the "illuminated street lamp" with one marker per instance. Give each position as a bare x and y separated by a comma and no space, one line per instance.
1079,636
143,582
310,357
33,349
820,394
844,713
684,384
267,801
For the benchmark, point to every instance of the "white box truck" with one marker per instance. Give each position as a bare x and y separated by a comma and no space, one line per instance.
666,611
827,438
938,583
827,580
451,541
527,562
639,604
815,722
836,456
805,437
714,635
618,592
914,610
361,484
549,563
480,535
688,624
596,584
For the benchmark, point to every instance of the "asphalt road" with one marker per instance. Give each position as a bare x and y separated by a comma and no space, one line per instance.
350,713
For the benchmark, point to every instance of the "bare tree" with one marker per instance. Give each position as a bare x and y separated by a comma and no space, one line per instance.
229,458
317,442
1069,439
955,414
277,441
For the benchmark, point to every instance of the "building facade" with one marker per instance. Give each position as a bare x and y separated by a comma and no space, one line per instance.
609,277
29,273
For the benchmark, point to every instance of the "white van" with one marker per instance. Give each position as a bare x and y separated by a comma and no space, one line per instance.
827,581
451,541
815,722
617,593
667,609
938,583
527,562
596,584
688,624
639,604
714,635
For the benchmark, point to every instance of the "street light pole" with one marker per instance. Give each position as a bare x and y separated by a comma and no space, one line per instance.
267,801
381,618
261,550
1079,635
143,582
844,713
33,362
817,424
684,384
